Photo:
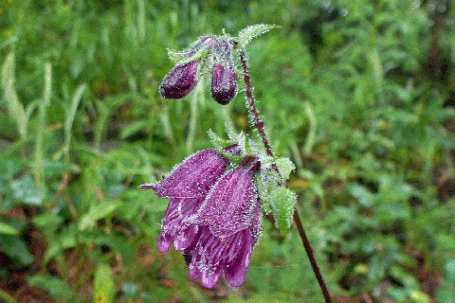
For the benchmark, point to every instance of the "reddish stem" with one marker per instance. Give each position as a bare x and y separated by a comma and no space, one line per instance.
259,124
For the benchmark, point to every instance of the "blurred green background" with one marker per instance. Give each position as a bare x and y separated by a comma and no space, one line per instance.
360,94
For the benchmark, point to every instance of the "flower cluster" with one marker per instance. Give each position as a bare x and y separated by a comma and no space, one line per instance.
209,53
213,215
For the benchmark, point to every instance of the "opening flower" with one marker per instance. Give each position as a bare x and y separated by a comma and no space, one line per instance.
230,222
213,216
187,186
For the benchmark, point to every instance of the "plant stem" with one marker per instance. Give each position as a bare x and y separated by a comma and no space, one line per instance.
259,124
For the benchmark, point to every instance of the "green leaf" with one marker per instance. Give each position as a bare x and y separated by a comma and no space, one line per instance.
97,212
282,201
6,297
16,248
15,107
244,144
7,229
449,271
130,289
132,129
58,288
363,196
47,220
218,142
250,32
25,190
285,166
104,285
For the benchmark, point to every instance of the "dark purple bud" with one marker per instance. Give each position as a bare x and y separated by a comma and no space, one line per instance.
180,80
224,86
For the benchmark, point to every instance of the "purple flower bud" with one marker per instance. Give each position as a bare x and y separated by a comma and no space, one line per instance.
180,80
224,86
211,255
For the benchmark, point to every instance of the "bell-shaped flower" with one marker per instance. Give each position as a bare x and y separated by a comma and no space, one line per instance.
229,223
187,186
230,205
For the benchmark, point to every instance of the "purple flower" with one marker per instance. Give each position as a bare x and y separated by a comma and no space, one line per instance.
213,216
229,223
187,185
224,86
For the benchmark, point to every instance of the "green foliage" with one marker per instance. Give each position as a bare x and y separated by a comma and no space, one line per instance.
282,202
358,94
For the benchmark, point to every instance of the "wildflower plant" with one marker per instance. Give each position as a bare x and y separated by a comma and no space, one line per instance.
217,195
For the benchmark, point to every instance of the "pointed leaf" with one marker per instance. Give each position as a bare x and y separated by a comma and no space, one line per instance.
97,212
285,166
283,201
218,142
15,107
7,229
250,32
104,285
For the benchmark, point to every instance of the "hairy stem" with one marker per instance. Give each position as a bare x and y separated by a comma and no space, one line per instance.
259,124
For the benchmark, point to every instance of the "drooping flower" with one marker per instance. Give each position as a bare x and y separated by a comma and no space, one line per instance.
213,216
229,223
181,80
187,186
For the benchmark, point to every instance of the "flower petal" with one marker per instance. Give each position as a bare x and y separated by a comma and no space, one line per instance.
186,237
164,242
230,204
235,270
193,178
173,227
